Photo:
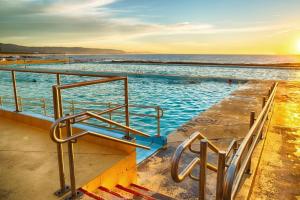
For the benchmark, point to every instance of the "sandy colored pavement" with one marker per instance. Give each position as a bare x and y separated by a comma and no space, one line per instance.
278,174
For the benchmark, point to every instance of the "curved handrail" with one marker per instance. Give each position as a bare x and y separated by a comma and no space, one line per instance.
178,177
55,126
233,176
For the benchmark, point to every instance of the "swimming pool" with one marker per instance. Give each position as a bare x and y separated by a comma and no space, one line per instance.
229,72
181,99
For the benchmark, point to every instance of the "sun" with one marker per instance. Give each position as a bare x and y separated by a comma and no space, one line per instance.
298,47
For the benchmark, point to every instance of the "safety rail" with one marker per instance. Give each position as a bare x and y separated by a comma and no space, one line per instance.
157,109
24,101
57,73
201,161
242,158
59,109
66,122
74,106
232,164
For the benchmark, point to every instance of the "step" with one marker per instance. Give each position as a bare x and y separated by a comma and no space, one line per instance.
128,193
119,192
108,194
149,193
90,195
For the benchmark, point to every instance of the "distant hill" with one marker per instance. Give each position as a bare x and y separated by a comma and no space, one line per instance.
13,48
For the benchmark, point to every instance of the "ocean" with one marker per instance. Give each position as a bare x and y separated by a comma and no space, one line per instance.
202,58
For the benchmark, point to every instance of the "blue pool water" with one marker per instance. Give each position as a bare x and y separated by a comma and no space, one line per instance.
181,99
264,73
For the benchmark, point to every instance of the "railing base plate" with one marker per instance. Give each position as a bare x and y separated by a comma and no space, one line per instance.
128,138
61,192
79,194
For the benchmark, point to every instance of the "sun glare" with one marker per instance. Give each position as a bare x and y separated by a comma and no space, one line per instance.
298,47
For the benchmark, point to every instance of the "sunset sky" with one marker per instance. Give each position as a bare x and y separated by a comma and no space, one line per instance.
156,26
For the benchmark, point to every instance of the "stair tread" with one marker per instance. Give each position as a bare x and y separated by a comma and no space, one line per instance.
90,195
134,192
107,194
127,194
149,192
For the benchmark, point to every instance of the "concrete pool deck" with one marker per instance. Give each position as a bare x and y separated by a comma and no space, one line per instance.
223,122
278,172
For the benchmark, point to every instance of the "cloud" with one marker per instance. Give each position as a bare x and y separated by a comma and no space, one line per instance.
79,8
78,21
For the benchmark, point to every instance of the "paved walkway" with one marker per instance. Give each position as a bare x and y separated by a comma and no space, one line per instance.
278,173
28,161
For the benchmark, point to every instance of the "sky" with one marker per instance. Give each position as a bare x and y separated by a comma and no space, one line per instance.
156,26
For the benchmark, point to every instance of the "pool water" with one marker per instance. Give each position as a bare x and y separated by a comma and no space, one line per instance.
230,72
181,99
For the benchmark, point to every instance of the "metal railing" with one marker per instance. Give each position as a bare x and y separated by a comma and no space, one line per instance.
105,78
24,101
157,112
232,163
73,107
66,122
59,109
200,161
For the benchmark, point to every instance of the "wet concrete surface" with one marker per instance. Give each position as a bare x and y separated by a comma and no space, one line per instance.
222,123
278,174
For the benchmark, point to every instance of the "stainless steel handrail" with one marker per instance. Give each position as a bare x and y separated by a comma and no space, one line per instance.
234,174
72,119
232,163
201,160
178,177
71,139
87,115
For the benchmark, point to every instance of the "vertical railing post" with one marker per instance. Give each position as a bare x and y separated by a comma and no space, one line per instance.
74,193
13,77
44,106
57,114
59,96
158,120
220,174
203,165
252,120
20,103
110,113
126,99
263,102
58,79
72,107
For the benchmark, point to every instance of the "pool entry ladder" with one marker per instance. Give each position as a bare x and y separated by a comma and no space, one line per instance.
232,164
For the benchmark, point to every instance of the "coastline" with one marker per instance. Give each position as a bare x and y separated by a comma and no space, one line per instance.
19,62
